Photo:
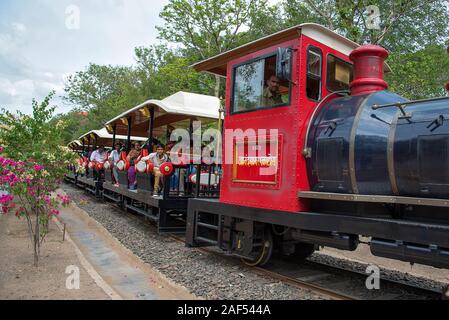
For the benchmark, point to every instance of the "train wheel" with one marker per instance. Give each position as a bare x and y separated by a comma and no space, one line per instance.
264,253
302,251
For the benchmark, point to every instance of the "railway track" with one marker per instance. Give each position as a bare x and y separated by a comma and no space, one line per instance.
331,294
330,282
350,283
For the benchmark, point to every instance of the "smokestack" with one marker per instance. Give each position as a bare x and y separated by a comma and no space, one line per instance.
368,69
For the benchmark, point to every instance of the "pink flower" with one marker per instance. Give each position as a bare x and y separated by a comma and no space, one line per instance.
54,212
1,149
38,167
6,198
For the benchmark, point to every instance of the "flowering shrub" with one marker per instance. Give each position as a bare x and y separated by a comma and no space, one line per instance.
32,165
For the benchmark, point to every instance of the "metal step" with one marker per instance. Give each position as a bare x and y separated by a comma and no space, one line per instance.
91,190
206,225
142,212
112,198
209,241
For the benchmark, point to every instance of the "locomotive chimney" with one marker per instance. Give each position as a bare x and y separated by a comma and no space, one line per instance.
368,69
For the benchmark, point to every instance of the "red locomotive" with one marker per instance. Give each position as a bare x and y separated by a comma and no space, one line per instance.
327,154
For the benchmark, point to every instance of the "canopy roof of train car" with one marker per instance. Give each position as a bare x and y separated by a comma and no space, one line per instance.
105,138
75,144
218,64
179,107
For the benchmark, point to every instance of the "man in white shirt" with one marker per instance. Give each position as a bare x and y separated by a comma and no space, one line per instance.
98,155
114,157
157,158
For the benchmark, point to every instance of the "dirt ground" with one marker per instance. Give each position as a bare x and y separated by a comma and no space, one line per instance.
19,279
122,270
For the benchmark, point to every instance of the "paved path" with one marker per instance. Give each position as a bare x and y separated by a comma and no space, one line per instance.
121,270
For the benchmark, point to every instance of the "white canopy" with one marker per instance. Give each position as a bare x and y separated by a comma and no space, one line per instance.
181,103
104,134
77,142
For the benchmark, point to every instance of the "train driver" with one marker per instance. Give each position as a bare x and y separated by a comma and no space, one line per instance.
271,95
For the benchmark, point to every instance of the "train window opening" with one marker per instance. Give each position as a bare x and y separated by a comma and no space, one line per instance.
339,74
314,67
256,86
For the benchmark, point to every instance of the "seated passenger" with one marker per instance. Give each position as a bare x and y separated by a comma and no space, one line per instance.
179,176
157,158
132,157
99,156
271,95
114,157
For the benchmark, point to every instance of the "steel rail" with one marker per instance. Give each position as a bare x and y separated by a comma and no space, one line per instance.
334,295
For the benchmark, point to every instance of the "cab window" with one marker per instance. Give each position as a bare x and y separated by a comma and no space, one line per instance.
339,74
256,86
314,65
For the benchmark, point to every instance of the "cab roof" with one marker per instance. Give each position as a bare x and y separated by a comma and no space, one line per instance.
218,64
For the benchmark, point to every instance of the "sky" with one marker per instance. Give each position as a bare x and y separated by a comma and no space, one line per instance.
43,41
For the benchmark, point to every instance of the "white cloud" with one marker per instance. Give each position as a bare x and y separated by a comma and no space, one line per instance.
18,27
37,51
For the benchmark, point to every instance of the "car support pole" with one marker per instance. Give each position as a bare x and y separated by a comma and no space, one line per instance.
150,144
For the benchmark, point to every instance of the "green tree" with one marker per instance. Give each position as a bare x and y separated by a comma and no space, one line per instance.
162,72
75,121
405,25
106,91
103,91
412,30
207,27
31,167
421,74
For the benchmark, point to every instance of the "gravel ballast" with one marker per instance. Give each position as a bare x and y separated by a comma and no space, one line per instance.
206,275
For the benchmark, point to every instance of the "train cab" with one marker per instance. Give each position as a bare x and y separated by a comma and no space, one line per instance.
273,86
309,125
149,181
